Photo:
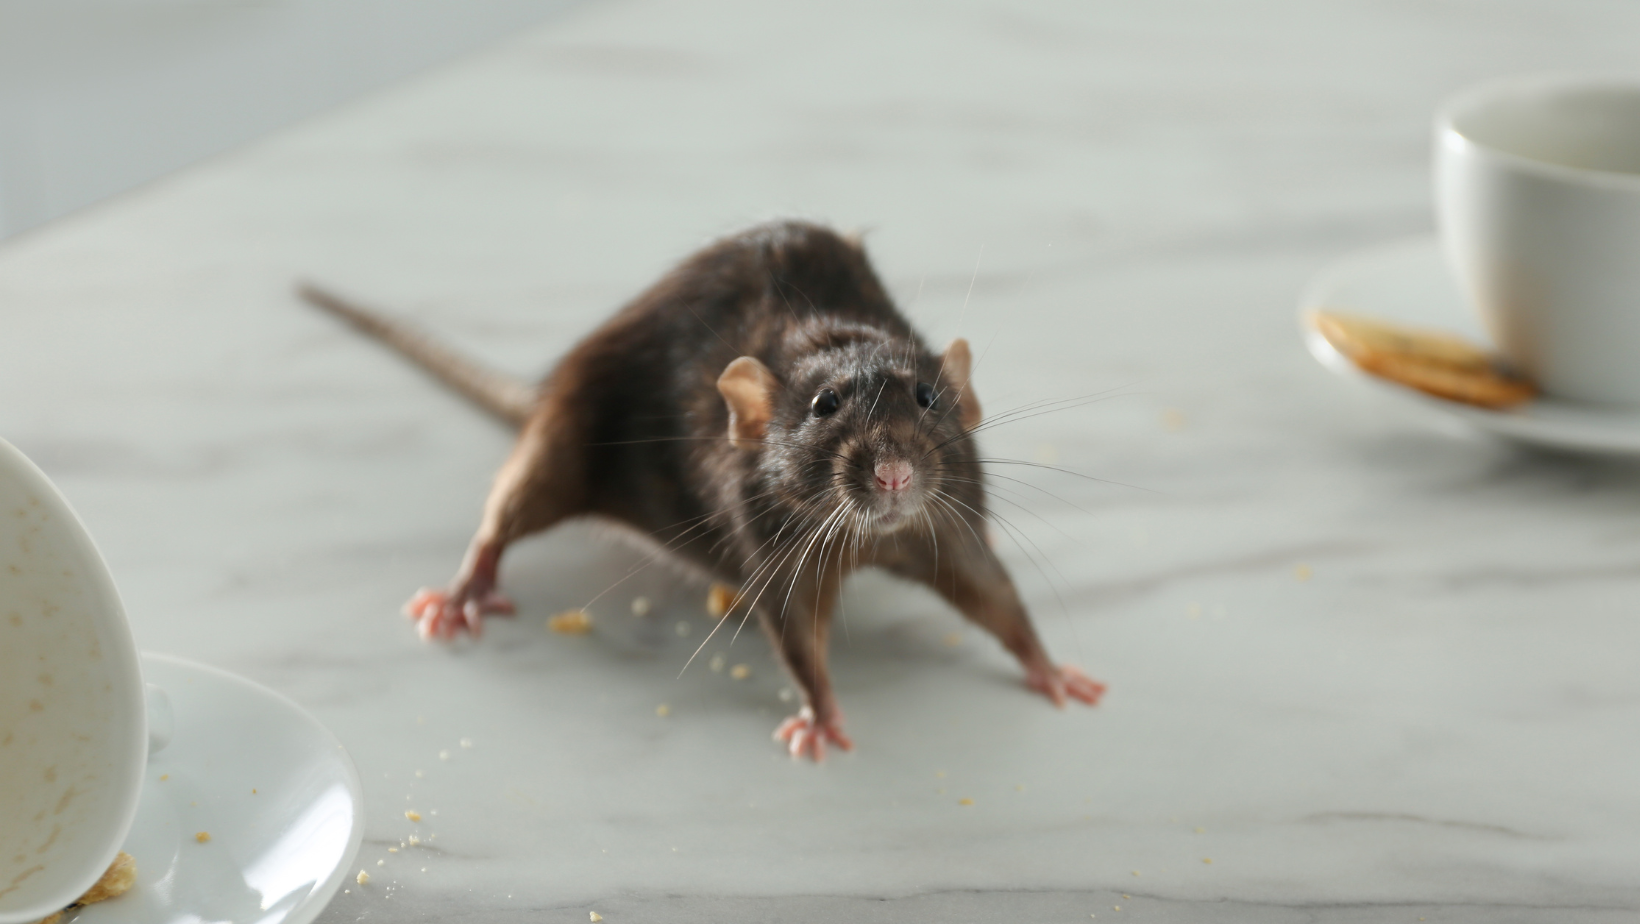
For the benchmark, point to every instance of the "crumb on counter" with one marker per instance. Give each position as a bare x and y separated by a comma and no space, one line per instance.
444,754
740,671
1301,572
164,776
663,710
953,639
414,841
1207,860
640,606
362,878
965,802
570,622
594,917
203,836
466,742
413,815
718,663
720,599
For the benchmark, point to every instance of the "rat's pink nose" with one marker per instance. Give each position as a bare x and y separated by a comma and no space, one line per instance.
893,476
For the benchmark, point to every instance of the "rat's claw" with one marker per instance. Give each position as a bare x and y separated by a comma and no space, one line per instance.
805,735
1066,680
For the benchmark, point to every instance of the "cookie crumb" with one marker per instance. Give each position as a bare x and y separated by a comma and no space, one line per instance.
1301,573
118,879
414,841
362,878
594,917
1207,860
202,836
663,710
164,776
740,671
444,754
570,622
413,815
392,850
466,742
640,606
965,802
953,639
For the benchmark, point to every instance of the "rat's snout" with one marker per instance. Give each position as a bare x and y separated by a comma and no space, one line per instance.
894,475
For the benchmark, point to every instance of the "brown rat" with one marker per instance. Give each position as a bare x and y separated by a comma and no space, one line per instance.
765,413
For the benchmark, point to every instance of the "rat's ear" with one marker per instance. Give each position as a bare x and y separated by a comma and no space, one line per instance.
748,388
954,368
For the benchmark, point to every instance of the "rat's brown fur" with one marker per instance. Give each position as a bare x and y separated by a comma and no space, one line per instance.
687,416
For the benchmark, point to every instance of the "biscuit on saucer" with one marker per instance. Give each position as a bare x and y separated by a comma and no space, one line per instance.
1433,362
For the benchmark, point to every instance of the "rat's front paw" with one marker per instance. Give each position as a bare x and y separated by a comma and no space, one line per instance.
1066,680
804,734
443,613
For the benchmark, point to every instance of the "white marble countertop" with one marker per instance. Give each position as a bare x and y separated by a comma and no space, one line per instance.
1372,668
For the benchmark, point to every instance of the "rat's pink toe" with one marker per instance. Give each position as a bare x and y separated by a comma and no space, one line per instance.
1065,682
1080,686
806,736
443,614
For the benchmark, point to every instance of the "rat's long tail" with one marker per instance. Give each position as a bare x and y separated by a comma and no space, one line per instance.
508,398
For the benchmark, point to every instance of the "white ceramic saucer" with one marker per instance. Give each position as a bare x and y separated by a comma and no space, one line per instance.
1408,281
272,788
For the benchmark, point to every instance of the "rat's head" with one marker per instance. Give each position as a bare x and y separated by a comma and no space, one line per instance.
862,425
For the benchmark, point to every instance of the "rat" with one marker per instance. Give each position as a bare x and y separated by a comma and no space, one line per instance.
767,415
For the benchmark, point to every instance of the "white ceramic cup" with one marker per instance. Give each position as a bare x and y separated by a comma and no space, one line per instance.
1537,188
75,723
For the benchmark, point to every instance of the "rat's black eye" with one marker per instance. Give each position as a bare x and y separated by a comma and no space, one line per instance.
825,403
925,394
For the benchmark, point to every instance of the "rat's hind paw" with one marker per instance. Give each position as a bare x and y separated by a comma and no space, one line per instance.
1066,680
804,734
442,614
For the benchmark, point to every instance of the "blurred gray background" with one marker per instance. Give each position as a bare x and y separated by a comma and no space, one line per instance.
100,96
